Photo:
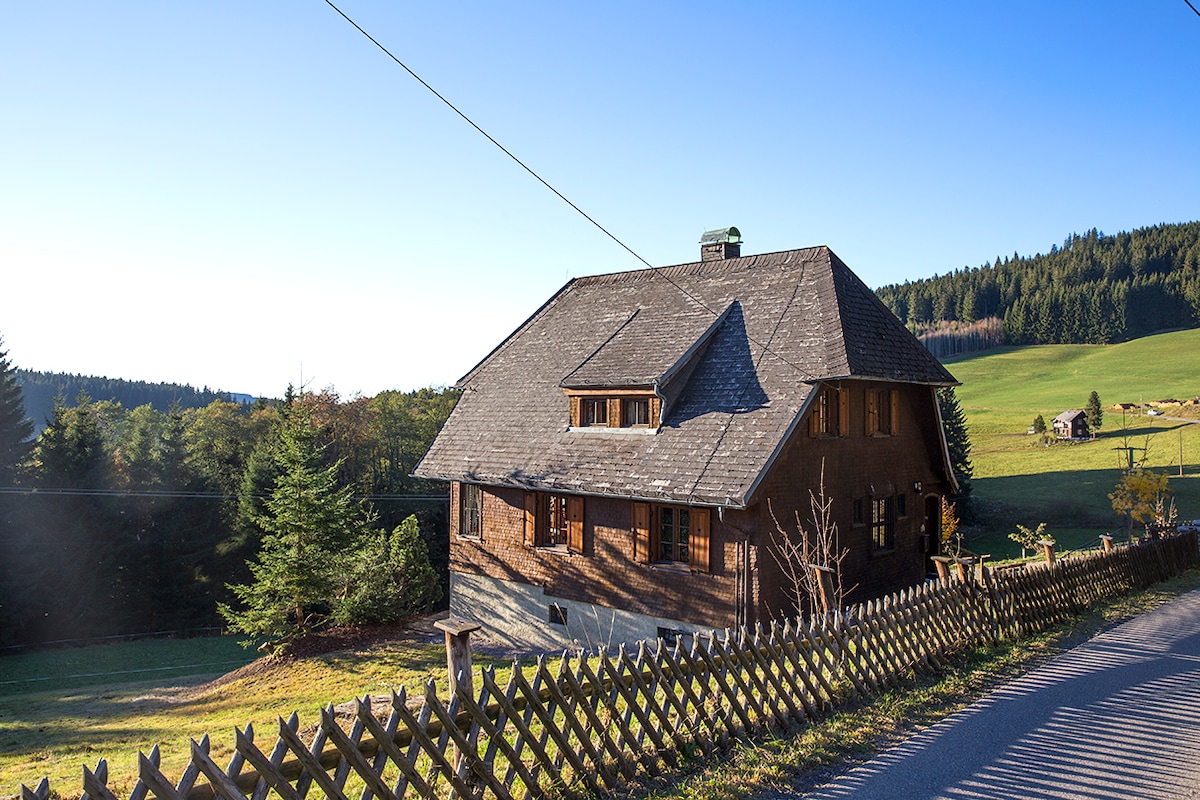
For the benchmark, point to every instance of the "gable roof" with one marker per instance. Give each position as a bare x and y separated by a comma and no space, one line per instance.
1069,416
734,346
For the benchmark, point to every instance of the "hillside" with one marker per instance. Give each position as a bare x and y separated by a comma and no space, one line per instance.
40,388
1020,480
1094,289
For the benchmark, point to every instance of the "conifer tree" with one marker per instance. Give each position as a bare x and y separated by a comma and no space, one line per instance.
1093,413
311,527
954,422
16,428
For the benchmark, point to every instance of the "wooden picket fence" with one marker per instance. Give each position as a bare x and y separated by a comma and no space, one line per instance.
594,723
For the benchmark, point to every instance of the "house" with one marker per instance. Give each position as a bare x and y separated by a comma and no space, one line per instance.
620,463
1071,425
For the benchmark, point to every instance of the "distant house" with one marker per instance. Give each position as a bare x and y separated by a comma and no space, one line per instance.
1071,425
619,462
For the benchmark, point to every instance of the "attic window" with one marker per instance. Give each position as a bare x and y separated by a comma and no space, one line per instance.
632,407
883,412
635,412
593,411
830,413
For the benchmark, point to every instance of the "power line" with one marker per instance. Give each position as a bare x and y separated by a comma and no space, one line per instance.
1192,7
179,495
657,270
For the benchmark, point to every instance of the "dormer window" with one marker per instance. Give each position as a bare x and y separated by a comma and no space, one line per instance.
635,412
625,407
593,411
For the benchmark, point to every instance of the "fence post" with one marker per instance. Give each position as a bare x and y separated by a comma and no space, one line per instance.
458,660
1048,549
980,571
1107,540
825,581
964,565
943,567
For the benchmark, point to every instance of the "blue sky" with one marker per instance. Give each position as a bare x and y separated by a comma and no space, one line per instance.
243,195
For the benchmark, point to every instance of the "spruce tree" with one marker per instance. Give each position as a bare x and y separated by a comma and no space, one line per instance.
16,429
1093,412
311,527
954,422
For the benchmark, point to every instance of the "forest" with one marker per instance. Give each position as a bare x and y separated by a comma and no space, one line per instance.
1095,289
40,388
121,520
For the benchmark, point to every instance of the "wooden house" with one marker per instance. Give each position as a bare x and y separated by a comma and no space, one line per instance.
622,465
1071,425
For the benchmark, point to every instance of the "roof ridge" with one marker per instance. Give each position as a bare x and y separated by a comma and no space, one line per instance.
716,265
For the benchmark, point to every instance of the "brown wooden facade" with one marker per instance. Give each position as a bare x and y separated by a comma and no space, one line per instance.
611,556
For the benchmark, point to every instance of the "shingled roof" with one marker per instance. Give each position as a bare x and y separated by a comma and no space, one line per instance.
734,346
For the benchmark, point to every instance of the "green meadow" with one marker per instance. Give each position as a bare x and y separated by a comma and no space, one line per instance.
1019,479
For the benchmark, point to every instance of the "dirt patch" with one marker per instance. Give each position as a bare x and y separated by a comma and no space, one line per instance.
417,630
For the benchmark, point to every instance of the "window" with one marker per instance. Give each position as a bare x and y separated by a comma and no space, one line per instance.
554,532
674,534
857,513
901,506
470,510
827,417
882,411
635,410
594,412
883,523
671,535
554,520
556,614
635,413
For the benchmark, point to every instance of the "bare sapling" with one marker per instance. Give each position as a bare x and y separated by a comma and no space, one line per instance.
811,557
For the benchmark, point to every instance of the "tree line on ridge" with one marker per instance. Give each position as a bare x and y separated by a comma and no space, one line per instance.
1095,289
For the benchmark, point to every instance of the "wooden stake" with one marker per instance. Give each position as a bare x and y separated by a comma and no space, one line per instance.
825,581
458,660
1107,540
1048,549
943,566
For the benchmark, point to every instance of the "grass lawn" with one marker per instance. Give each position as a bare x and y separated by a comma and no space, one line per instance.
63,709
1019,480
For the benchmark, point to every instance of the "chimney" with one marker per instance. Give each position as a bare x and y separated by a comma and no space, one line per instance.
720,244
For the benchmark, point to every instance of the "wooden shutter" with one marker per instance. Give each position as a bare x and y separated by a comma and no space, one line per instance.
872,420
641,533
575,524
814,418
699,540
894,396
843,411
531,503
576,412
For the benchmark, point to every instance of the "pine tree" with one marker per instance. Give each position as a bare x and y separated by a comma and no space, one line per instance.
1093,412
954,422
16,429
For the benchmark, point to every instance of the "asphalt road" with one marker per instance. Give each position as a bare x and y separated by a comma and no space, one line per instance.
1117,717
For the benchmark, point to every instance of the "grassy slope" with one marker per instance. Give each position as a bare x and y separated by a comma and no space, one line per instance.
1067,485
53,728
